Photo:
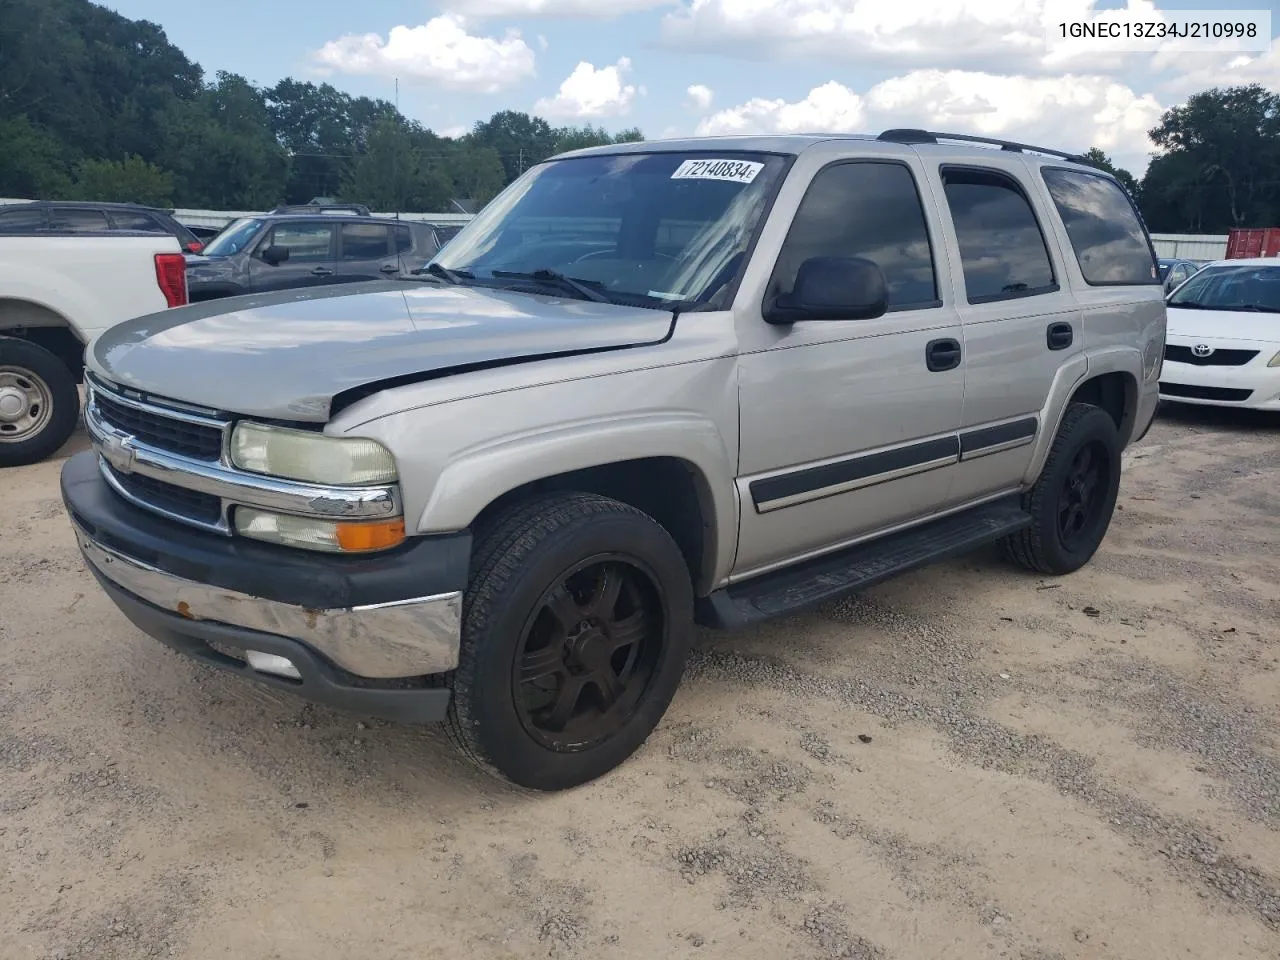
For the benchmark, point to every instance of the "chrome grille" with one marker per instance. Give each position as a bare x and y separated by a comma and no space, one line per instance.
173,500
188,435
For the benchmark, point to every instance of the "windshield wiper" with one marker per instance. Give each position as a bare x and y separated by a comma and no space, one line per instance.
444,273
1259,308
557,279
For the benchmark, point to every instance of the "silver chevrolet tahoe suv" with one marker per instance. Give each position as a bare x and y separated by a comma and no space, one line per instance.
709,380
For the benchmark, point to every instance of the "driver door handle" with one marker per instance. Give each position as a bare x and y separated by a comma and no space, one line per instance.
389,268
940,355
322,272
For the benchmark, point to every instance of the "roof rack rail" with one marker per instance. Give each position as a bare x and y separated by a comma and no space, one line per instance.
928,136
358,209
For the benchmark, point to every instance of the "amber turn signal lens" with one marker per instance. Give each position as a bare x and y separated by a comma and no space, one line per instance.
355,537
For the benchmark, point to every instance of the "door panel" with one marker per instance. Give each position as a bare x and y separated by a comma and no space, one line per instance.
844,428
311,257
365,252
1021,321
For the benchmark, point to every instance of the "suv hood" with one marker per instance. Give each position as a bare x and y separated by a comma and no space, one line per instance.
286,355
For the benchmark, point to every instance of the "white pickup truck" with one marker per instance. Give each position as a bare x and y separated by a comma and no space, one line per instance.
57,292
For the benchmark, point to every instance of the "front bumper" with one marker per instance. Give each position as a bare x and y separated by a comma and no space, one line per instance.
1251,386
360,632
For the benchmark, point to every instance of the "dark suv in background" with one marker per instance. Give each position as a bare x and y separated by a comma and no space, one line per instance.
67,216
279,251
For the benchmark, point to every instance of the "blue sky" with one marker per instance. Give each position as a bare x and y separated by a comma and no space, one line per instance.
756,65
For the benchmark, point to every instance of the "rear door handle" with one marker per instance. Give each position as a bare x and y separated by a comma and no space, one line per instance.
1059,336
942,355
322,272
389,268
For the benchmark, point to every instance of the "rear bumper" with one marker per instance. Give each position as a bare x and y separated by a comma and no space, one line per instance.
359,633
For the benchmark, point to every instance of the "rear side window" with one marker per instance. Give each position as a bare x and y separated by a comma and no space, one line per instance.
864,209
364,241
22,220
404,240
1002,248
1108,238
78,221
128,220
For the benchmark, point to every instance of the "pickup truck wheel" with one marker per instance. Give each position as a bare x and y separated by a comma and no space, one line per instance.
39,403
576,626
1072,501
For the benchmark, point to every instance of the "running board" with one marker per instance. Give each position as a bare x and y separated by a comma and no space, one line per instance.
807,585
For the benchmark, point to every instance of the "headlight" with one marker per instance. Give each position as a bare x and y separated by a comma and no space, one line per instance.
327,535
314,457
1274,361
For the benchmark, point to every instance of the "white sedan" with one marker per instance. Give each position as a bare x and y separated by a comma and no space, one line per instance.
1223,341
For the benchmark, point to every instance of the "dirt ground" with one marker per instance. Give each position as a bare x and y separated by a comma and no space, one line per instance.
968,762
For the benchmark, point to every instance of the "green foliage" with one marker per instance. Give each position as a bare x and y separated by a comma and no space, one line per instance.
1103,162
1221,163
94,105
131,180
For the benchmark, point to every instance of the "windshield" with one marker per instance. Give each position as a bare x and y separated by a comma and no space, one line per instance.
648,229
233,238
1251,288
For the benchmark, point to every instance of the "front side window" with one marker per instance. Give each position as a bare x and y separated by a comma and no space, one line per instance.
1002,249
648,229
233,238
1110,243
306,242
1251,289
78,221
21,221
864,209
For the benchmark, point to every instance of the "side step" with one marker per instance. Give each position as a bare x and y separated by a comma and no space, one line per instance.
795,589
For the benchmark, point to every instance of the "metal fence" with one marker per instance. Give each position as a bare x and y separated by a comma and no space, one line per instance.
1190,246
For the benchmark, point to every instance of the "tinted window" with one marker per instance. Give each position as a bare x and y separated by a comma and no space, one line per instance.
21,220
1106,234
78,221
869,210
365,241
1250,288
1001,247
128,220
305,241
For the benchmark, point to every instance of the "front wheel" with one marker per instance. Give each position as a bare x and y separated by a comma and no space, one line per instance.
39,403
1072,500
576,626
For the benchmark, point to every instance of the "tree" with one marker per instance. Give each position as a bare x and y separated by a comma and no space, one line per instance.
1100,160
395,173
32,162
576,138
131,180
1228,138
519,140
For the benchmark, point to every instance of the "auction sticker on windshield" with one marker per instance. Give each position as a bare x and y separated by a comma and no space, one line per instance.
738,171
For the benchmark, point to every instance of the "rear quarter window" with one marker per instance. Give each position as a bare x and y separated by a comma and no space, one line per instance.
1109,241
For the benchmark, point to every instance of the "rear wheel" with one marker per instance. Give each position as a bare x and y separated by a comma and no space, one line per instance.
576,627
39,403
1074,497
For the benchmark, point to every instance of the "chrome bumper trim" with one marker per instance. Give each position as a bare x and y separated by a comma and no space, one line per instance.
404,638
129,455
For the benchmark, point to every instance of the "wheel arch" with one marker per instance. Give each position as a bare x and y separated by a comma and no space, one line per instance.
45,327
675,469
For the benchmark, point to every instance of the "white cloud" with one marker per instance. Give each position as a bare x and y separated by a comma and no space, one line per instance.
700,97
831,108
1193,74
1068,112
973,34
588,93
439,51
585,9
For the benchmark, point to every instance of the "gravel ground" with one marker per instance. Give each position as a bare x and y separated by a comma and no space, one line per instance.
968,762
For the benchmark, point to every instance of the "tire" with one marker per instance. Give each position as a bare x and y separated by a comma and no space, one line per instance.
1064,535
521,659
39,403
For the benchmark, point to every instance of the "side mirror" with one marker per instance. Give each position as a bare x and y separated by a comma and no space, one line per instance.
832,288
275,255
